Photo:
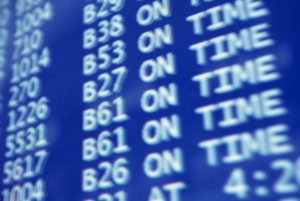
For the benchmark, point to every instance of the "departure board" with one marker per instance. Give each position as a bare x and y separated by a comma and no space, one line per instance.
149,100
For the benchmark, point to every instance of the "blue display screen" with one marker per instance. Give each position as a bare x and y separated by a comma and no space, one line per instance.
149,100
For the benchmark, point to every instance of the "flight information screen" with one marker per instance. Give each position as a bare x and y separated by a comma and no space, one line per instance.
149,100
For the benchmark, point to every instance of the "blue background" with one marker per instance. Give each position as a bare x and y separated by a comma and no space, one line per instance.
62,83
